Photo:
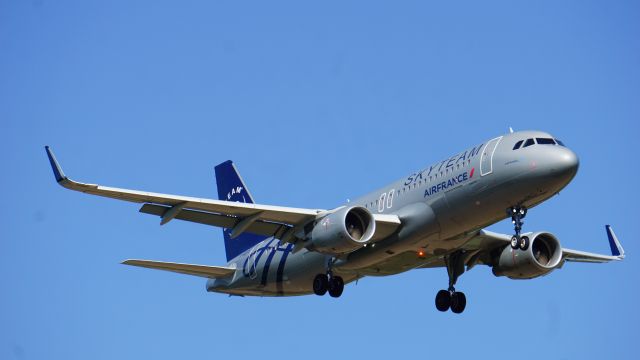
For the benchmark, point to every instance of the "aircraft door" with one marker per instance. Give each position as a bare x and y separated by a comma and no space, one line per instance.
486,159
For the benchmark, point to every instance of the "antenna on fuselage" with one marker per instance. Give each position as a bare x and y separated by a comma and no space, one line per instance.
510,130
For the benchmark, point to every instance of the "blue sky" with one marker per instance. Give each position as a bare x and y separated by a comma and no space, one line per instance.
316,103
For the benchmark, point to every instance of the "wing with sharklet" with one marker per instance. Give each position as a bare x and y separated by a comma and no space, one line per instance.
485,247
279,221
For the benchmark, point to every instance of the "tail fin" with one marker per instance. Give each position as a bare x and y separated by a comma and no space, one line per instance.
232,188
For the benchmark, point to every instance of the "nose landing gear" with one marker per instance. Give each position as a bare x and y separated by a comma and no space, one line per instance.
517,214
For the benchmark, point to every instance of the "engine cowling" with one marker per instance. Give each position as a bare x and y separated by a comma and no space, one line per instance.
543,256
343,231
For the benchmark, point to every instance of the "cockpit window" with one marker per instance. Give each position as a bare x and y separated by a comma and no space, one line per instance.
545,141
529,142
517,145
559,142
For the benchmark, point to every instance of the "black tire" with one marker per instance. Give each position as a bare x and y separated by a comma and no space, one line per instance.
320,284
443,300
515,242
458,302
336,286
524,243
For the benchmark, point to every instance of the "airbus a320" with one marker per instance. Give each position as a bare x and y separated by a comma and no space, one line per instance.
433,218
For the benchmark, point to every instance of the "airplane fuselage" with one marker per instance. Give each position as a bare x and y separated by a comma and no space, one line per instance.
441,207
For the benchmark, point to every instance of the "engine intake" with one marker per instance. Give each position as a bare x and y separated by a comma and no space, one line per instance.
343,231
543,256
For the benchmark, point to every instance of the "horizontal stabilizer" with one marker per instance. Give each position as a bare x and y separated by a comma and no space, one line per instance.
189,269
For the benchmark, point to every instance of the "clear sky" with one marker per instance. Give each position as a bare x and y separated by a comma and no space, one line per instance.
316,103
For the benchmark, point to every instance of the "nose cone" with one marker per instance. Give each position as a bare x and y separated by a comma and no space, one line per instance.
560,166
565,162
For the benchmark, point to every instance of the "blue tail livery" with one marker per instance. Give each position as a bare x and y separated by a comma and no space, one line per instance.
232,188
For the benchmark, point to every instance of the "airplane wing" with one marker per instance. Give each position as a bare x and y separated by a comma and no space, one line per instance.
480,246
279,221
617,252
188,269
486,241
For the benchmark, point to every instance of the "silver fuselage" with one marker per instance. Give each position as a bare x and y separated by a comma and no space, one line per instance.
441,206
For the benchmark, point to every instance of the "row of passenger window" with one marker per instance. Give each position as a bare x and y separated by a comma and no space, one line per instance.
419,183
540,141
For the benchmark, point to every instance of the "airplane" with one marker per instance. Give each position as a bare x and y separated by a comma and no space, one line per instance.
432,218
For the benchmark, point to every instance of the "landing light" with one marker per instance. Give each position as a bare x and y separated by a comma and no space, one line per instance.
421,253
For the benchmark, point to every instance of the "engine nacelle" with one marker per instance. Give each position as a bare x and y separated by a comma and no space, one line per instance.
543,256
343,231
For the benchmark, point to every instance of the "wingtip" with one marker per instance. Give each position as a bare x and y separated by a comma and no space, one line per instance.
614,243
55,166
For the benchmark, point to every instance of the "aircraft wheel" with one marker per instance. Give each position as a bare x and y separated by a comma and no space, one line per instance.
458,302
515,242
443,300
524,243
320,284
336,286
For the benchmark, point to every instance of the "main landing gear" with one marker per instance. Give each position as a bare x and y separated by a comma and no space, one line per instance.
325,282
517,214
452,299
328,282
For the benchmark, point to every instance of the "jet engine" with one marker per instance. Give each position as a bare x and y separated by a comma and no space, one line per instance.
342,231
543,256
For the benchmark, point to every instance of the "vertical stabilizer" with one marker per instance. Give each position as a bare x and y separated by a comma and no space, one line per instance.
232,188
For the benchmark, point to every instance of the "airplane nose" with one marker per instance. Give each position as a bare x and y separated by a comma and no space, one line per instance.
565,162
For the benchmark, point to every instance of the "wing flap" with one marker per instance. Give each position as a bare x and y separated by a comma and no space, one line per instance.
188,269
219,220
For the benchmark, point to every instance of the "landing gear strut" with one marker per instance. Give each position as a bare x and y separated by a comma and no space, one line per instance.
517,214
328,282
450,298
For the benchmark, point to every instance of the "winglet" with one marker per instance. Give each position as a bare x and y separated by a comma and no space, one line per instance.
57,170
616,248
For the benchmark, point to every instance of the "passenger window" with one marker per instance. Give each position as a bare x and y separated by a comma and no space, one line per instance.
529,142
545,141
517,145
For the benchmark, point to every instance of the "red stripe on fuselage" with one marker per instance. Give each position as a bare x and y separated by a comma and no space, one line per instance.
471,173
